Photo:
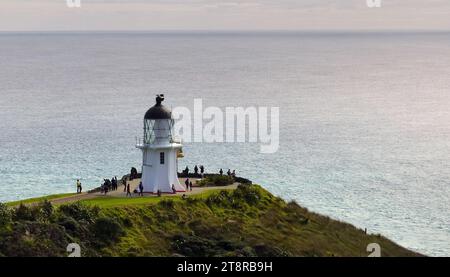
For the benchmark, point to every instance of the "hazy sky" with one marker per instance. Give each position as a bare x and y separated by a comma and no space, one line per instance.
32,15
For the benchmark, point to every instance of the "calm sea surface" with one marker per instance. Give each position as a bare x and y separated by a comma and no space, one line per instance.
364,119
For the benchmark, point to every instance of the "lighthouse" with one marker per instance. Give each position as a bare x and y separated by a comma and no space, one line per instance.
160,150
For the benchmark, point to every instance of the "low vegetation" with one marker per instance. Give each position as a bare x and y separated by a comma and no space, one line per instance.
216,180
247,221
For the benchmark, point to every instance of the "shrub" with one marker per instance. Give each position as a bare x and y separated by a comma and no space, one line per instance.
107,230
193,246
216,180
206,228
127,222
79,211
5,215
247,251
192,200
25,213
167,203
248,193
202,246
224,199
70,224
34,239
46,209
242,180
263,250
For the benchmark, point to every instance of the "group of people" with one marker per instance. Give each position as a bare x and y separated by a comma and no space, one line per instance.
188,184
112,184
229,173
109,185
139,190
200,168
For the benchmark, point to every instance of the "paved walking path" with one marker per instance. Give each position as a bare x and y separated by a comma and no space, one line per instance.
133,185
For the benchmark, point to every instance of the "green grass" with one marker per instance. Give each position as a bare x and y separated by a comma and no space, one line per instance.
247,221
39,199
233,223
111,201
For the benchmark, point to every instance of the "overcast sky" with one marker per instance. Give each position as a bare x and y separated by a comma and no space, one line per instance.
44,15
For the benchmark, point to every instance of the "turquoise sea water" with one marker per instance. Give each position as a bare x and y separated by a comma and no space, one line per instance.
364,118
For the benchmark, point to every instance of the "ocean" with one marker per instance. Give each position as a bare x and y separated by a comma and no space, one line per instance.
364,117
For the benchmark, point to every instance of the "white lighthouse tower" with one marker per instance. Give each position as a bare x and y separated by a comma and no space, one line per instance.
159,150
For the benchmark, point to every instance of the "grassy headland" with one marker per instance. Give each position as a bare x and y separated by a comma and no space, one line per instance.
247,221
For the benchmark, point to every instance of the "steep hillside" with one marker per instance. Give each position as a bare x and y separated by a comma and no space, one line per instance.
247,221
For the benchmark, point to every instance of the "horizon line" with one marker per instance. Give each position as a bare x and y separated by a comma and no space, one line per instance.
249,31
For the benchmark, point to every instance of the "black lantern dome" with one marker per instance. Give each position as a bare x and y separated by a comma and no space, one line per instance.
158,111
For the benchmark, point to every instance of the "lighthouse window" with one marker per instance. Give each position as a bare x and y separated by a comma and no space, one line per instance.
161,158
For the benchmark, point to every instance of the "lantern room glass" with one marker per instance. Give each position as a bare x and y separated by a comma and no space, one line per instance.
158,131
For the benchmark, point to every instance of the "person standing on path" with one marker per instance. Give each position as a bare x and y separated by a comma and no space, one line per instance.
78,186
202,170
141,189
173,189
187,184
128,190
